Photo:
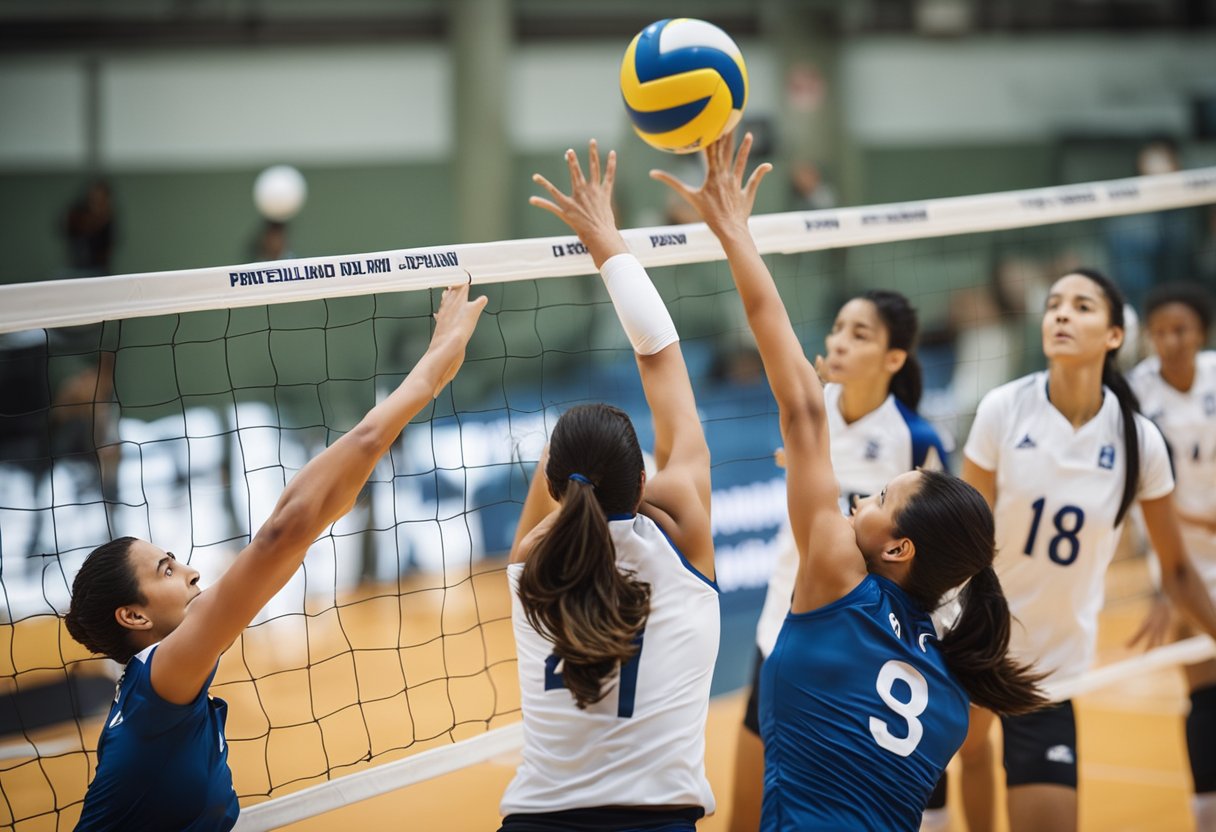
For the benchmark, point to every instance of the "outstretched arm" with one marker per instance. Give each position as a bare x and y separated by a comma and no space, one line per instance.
680,489
324,490
835,565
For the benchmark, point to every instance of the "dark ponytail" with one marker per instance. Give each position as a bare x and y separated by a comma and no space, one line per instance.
976,650
1112,378
898,315
571,590
952,529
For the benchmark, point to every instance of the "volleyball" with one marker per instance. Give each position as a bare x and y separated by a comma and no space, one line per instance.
279,192
684,84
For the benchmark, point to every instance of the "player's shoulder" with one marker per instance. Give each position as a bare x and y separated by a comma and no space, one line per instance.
917,424
1145,373
1149,433
1205,362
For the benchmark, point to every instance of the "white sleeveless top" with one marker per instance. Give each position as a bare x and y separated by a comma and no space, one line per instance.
1057,494
1188,421
643,744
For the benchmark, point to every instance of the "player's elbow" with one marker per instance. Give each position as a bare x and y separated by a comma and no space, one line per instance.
369,439
289,526
800,412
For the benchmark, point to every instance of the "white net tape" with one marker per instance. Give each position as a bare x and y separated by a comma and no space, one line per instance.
89,300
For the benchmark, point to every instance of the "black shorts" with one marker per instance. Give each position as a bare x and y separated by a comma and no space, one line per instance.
1041,747
751,717
605,819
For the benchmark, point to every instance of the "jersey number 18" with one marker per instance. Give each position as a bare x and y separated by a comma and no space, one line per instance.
1064,545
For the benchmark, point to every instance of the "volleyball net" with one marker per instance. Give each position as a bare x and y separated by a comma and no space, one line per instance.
174,406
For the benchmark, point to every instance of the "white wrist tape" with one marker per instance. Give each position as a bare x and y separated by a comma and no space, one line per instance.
642,313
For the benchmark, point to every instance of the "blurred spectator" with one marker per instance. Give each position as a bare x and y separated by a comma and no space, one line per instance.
1147,249
996,326
89,228
808,189
271,242
59,405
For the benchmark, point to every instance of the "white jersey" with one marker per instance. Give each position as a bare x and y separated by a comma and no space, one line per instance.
644,743
1188,421
1058,489
866,455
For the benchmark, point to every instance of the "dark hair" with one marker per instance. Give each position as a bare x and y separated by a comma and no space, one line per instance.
899,317
571,589
1129,405
953,531
104,583
1188,294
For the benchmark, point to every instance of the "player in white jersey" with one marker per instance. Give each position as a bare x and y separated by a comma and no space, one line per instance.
876,435
1177,390
1061,455
843,749
614,605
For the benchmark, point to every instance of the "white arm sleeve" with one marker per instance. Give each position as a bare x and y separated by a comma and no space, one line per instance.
642,313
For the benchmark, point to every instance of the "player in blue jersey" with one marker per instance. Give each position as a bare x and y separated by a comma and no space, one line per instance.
162,759
873,389
862,706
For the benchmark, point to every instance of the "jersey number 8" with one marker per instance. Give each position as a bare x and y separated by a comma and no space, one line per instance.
892,672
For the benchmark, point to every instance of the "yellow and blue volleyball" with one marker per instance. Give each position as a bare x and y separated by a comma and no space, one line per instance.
684,84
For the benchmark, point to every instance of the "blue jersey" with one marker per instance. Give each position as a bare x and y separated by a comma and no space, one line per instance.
858,714
160,765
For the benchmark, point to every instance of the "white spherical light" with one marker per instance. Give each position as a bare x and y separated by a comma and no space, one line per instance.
279,192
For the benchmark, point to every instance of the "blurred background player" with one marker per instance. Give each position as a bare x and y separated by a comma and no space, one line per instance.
842,749
876,435
1053,455
1177,390
162,757
614,605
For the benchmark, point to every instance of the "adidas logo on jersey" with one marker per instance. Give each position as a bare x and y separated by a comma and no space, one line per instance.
1106,457
1060,754
1026,442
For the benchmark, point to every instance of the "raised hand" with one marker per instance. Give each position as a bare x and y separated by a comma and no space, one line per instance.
454,324
723,201
588,207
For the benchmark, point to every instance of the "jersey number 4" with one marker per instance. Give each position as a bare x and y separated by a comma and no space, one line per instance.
1064,545
628,684
892,672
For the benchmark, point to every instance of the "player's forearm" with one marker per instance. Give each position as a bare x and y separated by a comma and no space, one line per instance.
326,488
1197,520
538,503
603,244
1190,594
790,375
